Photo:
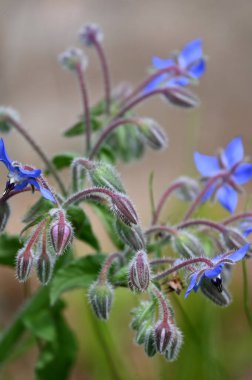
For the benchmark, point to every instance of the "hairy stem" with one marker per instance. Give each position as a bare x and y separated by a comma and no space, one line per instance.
202,222
235,218
106,266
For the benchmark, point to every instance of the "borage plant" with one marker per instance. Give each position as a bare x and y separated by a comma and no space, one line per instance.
204,251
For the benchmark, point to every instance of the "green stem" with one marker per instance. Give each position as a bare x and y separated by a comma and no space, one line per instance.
246,294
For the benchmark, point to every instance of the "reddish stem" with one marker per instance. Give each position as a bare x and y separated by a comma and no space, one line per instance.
202,222
105,268
237,217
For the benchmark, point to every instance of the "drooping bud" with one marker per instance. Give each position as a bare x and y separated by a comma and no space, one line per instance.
189,190
139,272
104,175
222,298
24,263
144,312
6,115
44,262
90,34
152,133
187,245
181,97
131,235
173,349
234,239
163,334
4,215
123,209
149,343
73,58
61,233
101,298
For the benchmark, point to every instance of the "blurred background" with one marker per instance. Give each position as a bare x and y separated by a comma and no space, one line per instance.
32,34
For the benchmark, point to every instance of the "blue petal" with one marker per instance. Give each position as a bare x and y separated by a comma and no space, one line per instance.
228,197
209,192
197,69
247,231
155,83
178,82
22,185
243,173
28,173
190,53
206,165
4,156
214,272
160,63
193,283
233,152
47,194
238,255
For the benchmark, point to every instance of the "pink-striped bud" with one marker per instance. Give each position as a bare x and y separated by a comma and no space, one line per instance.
61,233
123,208
24,264
139,272
163,335
181,97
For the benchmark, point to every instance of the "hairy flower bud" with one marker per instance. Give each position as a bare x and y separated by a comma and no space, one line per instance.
104,175
139,272
44,264
189,190
5,114
90,34
131,235
141,332
181,97
222,298
101,298
4,215
163,334
24,264
152,133
72,58
234,239
61,233
187,245
144,312
149,343
123,209
173,349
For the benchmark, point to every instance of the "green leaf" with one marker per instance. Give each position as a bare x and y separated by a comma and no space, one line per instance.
57,356
64,160
40,208
78,128
9,245
82,226
79,273
108,221
106,154
5,127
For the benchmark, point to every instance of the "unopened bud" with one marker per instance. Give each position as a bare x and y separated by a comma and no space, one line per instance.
181,97
44,266
5,114
163,334
222,298
187,245
152,133
24,264
101,299
173,349
146,311
141,333
123,209
90,34
139,272
234,239
73,58
149,343
61,233
131,235
4,215
189,190
104,175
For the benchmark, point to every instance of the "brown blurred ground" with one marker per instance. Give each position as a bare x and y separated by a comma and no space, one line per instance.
33,33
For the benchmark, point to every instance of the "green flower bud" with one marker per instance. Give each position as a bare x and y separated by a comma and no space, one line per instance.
144,312
44,266
72,58
181,97
24,263
149,343
101,299
105,175
187,245
222,298
131,235
152,133
189,190
234,239
173,349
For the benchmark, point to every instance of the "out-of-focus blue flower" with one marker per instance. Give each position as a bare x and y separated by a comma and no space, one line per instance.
19,177
188,64
215,270
235,171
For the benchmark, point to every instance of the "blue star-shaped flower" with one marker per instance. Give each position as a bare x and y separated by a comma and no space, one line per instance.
19,177
236,172
213,272
189,63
